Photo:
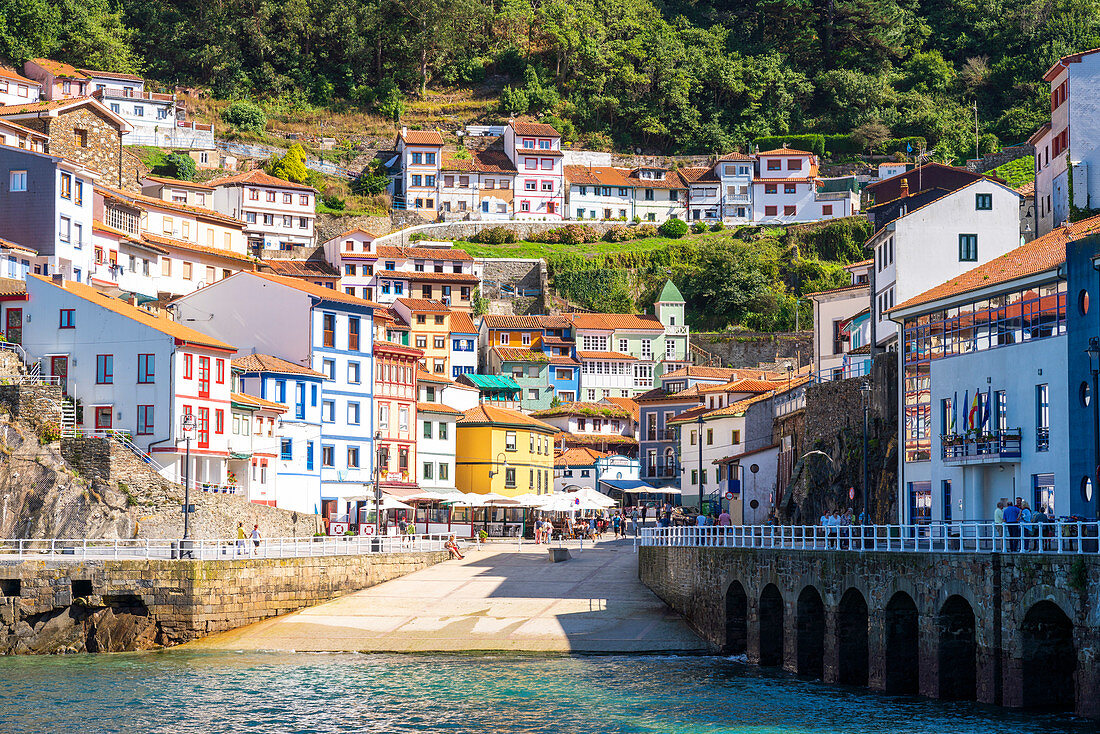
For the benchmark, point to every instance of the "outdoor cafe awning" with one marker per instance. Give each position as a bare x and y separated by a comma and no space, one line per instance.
636,486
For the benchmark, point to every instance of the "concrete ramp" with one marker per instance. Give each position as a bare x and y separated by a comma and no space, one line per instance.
493,600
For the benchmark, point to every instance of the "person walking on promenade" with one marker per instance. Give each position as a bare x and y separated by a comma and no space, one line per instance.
1027,527
634,515
255,539
1012,516
645,511
240,540
616,524
999,525
724,519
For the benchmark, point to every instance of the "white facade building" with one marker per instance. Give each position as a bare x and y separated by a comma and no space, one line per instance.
17,89
277,214
535,151
1067,149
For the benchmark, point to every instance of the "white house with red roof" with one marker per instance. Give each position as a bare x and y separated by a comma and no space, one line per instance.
384,273
535,150
136,372
1067,149
16,88
414,183
788,188
20,136
277,214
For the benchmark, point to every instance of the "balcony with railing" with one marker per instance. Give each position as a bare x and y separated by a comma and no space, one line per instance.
664,434
1042,439
659,472
982,448
790,402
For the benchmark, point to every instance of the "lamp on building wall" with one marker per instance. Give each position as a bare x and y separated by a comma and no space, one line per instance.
1094,366
502,460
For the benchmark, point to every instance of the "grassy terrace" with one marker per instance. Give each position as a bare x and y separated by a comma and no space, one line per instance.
526,249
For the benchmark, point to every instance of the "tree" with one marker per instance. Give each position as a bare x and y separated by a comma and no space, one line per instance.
181,166
245,115
372,181
870,134
292,166
389,101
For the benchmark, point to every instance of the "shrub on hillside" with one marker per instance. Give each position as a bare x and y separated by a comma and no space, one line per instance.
570,234
717,227
645,230
245,115
618,233
698,227
673,228
181,166
494,236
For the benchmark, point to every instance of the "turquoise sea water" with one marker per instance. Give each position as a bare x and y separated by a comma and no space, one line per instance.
181,692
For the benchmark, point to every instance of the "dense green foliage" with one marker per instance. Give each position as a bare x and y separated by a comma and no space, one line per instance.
292,167
748,277
674,228
1018,172
245,115
181,166
699,76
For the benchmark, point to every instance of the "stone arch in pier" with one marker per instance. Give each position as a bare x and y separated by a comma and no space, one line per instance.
770,618
957,654
737,619
851,638
810,621
902,636
1048,658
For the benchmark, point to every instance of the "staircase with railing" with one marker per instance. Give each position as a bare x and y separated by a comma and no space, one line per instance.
702,358
67,409
123,440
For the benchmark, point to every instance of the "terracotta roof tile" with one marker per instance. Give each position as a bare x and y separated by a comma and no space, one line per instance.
111,75
615,321
6,73
841,289
713,373
1041,254
137,199
505,321
255,402
428,277
425,376
578,456
317,291
694,175
599,175
421,137
492,415
783,151
1027,189
178,182
436,408
157,239
461,323
12,287
60,68
605,355
259,177
628,404
515,354
525,127
599,439
595,410
301,268
15,247
159,323
423,305
735,156
423,253
271,363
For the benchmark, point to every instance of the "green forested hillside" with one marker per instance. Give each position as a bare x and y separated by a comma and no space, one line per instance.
678,76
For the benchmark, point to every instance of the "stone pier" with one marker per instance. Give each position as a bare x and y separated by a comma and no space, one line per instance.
1011,629
51,606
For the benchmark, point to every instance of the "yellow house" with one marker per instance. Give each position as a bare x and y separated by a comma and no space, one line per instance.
503,451
430,329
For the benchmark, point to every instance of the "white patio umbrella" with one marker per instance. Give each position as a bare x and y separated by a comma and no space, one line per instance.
390,502
492,498
531,500
434,496
591,496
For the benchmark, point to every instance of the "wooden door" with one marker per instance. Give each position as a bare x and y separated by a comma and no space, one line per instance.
14,330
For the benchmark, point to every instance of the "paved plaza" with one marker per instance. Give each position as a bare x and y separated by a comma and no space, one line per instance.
496,599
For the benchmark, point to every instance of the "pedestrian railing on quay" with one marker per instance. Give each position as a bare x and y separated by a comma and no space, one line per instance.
78,549
971,537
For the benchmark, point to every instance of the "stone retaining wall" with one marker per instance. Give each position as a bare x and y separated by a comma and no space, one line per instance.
109,606
37,405
450,231
747,349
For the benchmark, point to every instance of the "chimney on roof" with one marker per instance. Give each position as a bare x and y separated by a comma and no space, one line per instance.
404,130
58,279
904,188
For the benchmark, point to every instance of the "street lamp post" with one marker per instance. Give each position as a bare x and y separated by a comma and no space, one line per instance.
700,422
865,390
379,452
502,461
1094,366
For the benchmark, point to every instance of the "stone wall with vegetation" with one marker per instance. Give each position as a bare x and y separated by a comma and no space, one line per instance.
49,606
750,349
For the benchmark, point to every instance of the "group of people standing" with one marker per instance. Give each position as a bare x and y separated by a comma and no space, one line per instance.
1021,526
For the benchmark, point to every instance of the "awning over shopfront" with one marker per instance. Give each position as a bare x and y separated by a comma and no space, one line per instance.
635,486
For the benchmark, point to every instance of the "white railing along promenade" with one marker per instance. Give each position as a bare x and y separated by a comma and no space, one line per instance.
78,549
970,537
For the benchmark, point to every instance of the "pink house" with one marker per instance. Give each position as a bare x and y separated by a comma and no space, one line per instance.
535,150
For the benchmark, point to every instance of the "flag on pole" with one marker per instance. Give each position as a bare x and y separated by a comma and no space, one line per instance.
954,412
974,418
966,410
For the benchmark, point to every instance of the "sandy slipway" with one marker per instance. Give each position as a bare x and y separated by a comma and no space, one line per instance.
494,600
